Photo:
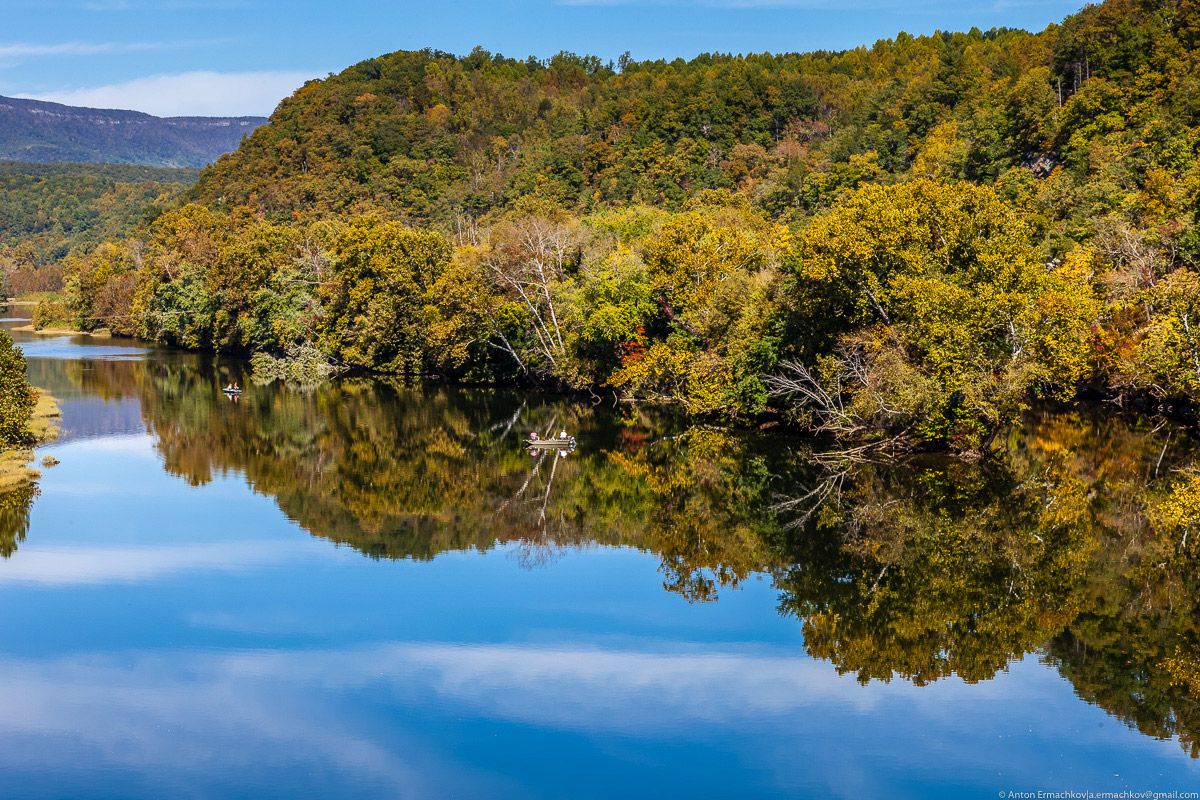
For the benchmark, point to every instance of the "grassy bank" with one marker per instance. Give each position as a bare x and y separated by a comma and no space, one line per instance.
15,469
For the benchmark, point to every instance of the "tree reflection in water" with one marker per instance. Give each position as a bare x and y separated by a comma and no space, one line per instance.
15,505
938,569
919,570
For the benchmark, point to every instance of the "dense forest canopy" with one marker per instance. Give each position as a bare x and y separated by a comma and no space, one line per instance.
434,137
906,241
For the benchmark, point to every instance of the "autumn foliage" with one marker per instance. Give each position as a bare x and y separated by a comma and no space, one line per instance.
907,242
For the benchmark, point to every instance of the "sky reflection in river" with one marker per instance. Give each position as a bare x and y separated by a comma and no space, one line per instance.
169,630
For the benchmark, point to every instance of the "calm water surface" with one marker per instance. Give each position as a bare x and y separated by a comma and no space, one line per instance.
368,590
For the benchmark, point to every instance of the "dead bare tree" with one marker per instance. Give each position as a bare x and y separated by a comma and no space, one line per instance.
828,406
529,259
864,387
1138,263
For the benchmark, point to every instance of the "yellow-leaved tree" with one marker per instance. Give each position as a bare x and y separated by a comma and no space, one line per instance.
375,302
925,310
709,269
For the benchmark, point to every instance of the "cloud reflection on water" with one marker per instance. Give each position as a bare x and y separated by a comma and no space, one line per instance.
105,565
162,715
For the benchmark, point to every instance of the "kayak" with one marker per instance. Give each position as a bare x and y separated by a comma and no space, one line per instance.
232,391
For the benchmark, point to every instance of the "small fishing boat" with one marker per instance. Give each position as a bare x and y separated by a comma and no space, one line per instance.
229,390
560,442
551,444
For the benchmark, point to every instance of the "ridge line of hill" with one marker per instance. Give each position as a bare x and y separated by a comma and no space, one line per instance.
43,132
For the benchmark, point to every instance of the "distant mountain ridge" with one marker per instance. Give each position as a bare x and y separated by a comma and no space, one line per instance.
37,131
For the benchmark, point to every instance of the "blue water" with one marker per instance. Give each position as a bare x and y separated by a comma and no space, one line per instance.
159,639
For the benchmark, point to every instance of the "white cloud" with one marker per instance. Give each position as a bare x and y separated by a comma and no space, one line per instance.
188,94
12,49
27,49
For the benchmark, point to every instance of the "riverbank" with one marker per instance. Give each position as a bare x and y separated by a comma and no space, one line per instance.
51,330
54,323
30,300
15,464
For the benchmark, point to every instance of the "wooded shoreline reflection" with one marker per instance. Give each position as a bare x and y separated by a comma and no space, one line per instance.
1068,544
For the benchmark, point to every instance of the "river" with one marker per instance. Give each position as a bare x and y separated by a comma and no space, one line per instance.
368,589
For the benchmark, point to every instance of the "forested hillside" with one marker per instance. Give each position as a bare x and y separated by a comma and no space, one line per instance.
48,211
1109,94
905,241
32,130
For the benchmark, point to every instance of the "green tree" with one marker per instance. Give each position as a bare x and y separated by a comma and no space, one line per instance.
17,398
375,299
928,308
708,270
1167,356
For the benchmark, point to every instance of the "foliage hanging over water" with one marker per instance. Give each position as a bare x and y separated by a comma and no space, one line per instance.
929,308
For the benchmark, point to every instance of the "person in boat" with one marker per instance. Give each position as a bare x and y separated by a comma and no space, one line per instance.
533,437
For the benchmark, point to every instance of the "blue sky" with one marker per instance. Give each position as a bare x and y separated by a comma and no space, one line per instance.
172,57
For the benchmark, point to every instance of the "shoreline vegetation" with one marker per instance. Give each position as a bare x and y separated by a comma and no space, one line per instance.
43,321
28,417
16,468
900,246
